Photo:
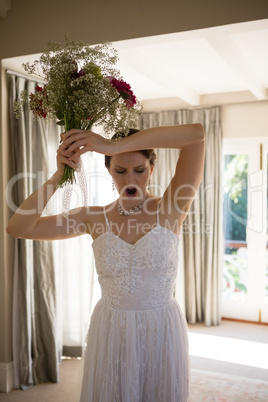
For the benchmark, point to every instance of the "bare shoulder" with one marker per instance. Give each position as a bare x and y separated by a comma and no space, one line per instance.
95,219
151,204
155,200
93,214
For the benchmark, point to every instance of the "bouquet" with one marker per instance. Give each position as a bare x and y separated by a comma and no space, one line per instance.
81,88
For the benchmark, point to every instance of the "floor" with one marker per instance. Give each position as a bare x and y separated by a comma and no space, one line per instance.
232,348
221,343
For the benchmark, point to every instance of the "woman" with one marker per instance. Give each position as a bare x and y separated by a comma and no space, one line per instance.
137,346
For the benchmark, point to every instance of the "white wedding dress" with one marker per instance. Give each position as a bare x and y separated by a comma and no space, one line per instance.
137,345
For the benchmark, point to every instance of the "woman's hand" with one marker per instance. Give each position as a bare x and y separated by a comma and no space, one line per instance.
62,160
77,142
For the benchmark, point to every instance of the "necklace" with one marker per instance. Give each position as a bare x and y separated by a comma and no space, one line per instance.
130,212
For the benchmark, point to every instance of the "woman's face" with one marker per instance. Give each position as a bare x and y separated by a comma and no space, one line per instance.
131,172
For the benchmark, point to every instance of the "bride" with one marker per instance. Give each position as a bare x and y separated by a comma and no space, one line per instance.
136,347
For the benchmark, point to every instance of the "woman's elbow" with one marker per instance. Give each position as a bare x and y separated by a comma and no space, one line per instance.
10,231
200,133
14,232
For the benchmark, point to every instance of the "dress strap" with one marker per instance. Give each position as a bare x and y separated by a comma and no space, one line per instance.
107,222
157,216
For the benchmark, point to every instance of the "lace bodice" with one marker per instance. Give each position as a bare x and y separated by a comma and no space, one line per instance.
137,276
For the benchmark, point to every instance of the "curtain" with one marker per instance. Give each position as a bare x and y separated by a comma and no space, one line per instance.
53,281
34,294
202,229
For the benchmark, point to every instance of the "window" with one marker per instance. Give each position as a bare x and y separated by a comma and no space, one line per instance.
245,201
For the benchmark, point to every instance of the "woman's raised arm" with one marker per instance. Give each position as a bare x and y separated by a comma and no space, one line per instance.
77,142
188,138
181,191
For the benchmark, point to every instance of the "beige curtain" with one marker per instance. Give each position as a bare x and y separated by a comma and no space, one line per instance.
53,281
35,354
202,228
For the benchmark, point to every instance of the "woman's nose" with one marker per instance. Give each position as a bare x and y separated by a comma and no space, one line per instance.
130,178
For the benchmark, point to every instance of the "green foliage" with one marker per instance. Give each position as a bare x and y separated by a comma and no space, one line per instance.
235,176
235,196
234,270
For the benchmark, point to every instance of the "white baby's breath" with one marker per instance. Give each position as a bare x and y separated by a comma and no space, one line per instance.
82,87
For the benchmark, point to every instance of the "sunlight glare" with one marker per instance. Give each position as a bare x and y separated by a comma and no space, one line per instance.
230,350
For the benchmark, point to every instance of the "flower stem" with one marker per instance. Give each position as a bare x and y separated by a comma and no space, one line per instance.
68,174
95,118
67,177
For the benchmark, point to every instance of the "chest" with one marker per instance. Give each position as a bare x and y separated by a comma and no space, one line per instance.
155,252
130,230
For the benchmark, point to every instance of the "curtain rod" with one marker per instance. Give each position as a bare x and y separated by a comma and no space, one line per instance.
37,79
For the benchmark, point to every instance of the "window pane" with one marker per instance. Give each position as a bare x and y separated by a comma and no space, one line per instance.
235,274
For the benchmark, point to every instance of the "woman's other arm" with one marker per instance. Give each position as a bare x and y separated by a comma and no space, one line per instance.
27,221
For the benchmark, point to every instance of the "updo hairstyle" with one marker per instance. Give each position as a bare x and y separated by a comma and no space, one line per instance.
148,153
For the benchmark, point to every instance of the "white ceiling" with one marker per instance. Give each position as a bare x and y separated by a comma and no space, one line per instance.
194,67
207,66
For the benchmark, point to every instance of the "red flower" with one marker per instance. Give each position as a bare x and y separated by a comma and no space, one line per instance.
77,74
38,89
36,102
124,90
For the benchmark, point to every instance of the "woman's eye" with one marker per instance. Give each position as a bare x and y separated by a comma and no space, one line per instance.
140,171
120,171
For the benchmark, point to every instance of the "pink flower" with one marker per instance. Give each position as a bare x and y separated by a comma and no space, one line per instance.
124,90
86,118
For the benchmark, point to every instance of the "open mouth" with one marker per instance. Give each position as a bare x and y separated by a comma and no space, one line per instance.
131,191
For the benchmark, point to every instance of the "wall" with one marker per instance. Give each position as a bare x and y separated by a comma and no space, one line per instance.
30,24
246,120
